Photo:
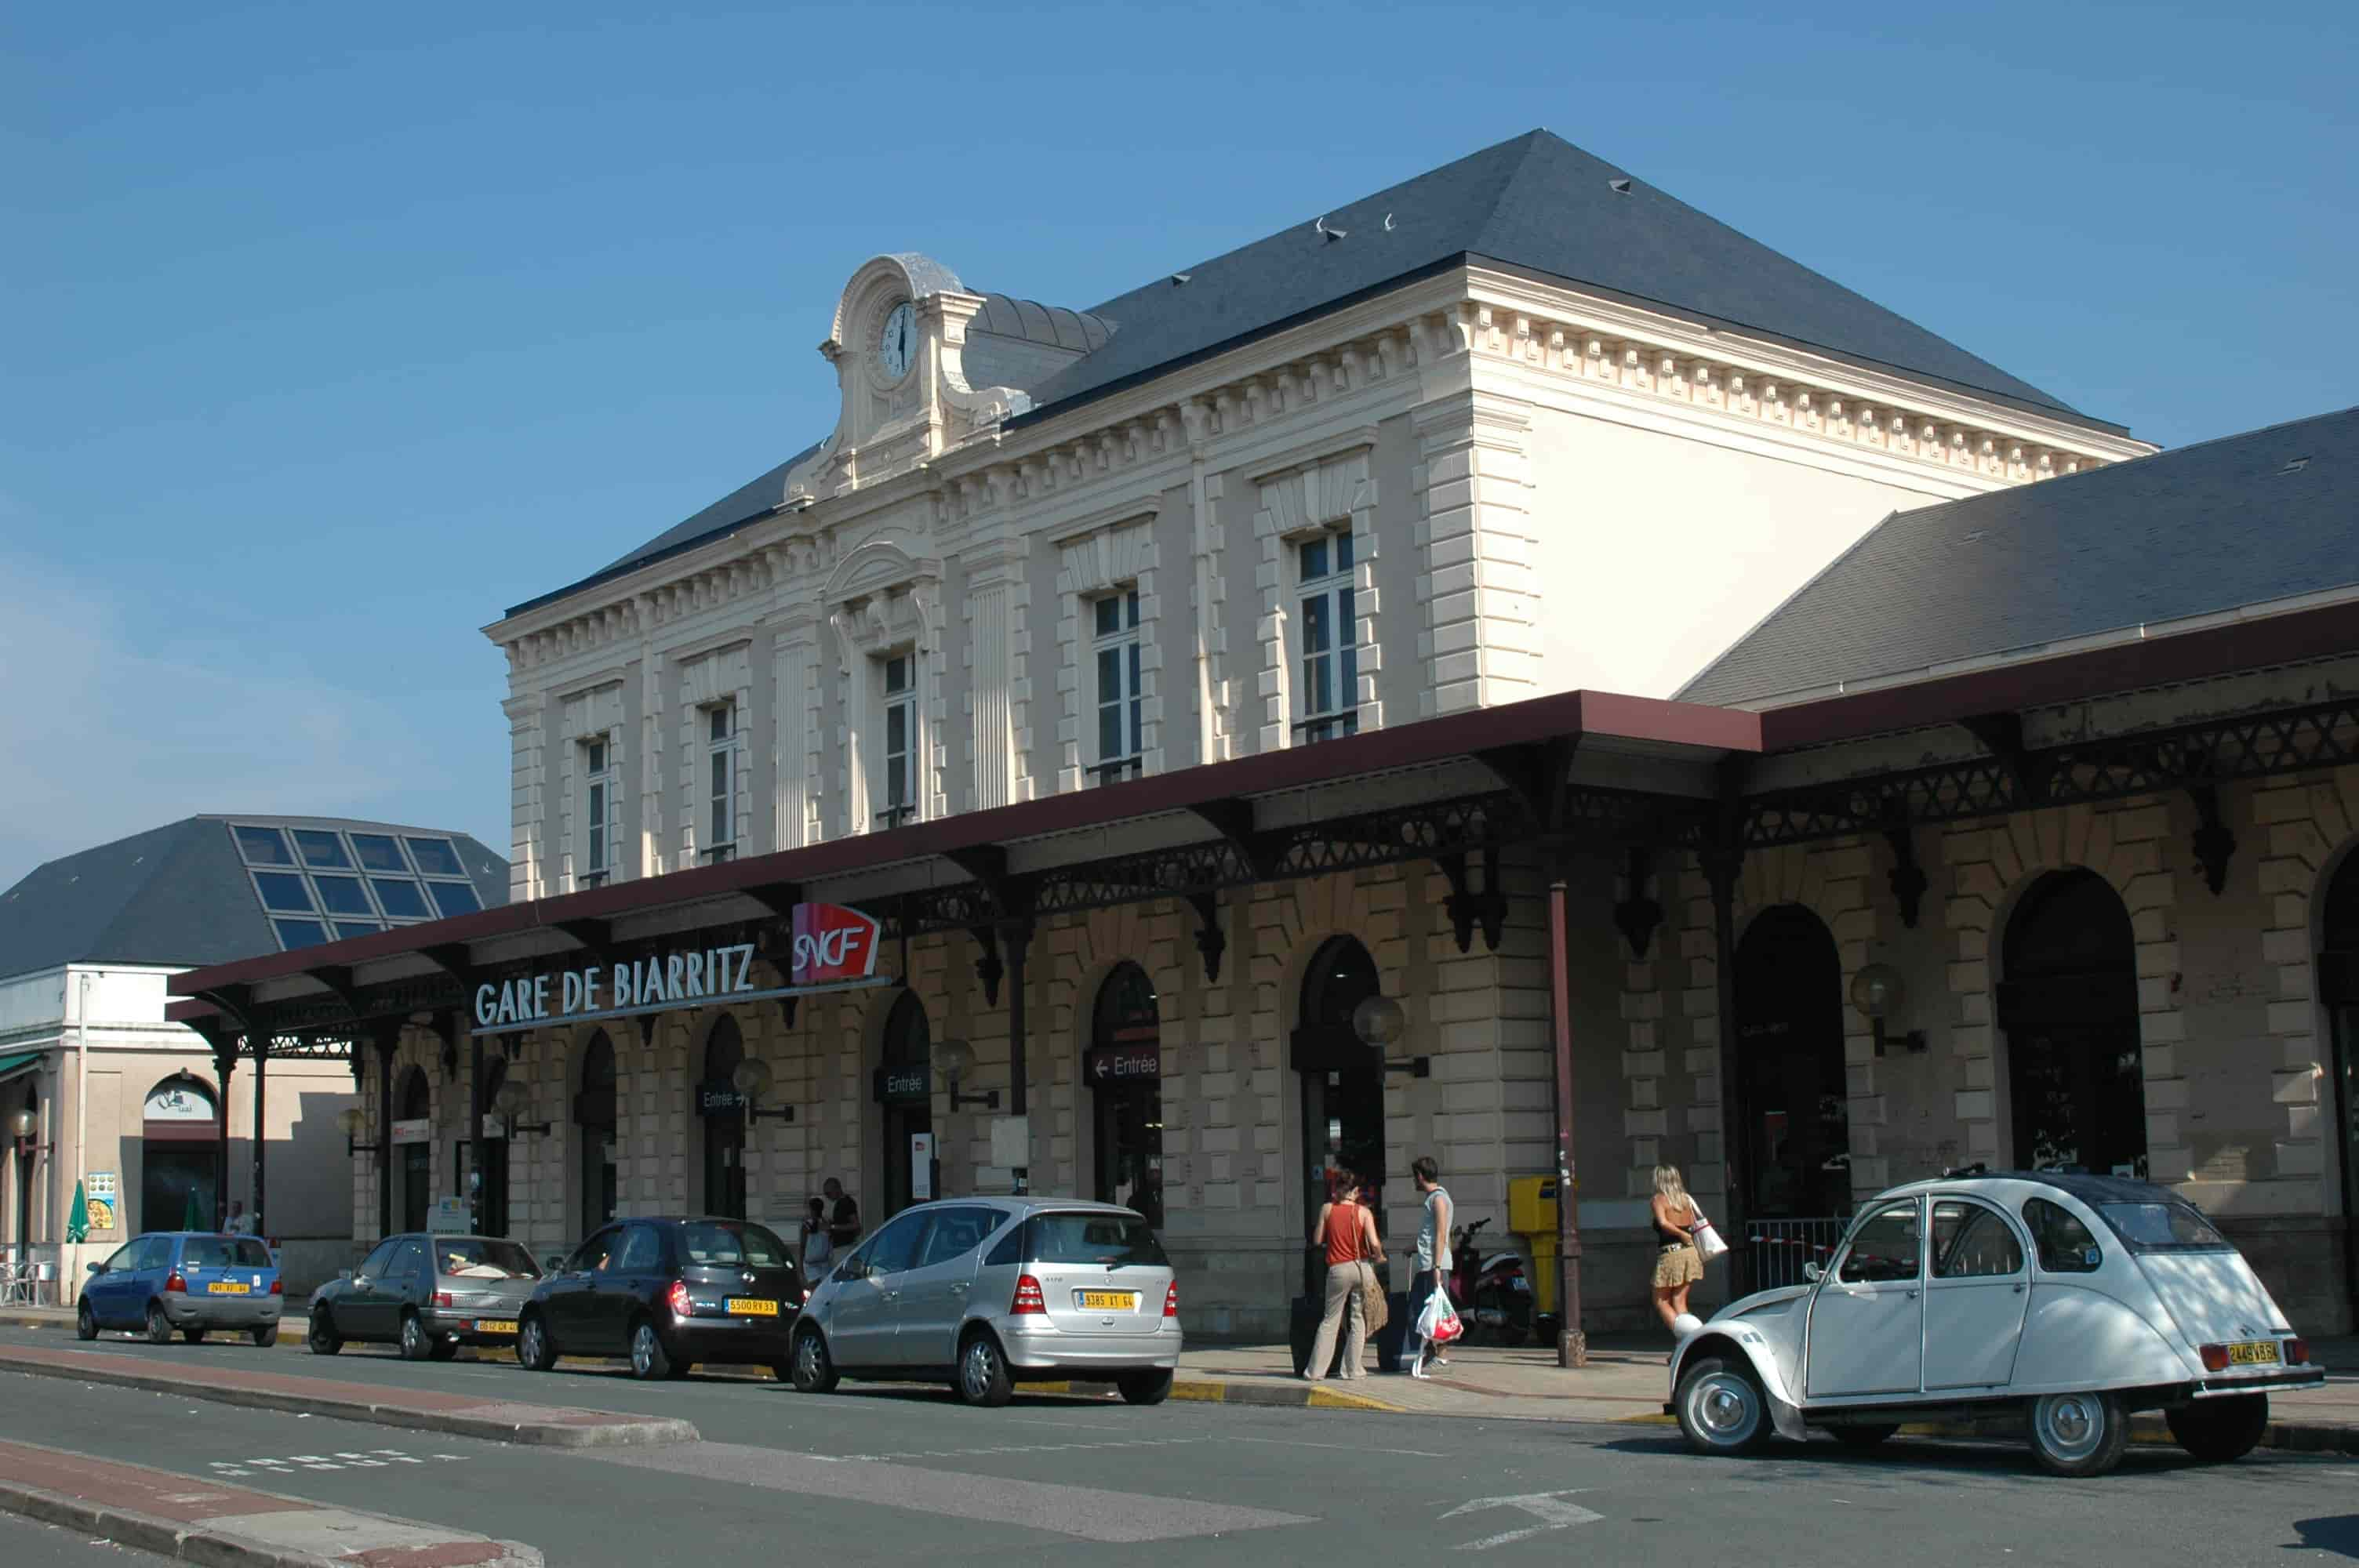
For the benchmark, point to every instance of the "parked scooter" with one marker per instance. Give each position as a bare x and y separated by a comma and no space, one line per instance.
1493,1294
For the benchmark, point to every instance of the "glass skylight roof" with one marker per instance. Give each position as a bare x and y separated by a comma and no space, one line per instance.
411,877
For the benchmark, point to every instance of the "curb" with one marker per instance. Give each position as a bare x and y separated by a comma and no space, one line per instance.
2146,1430
630,1432
194,1543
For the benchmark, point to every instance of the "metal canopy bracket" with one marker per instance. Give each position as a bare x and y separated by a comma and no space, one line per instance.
779,898
1233,820
2212,843
988,967
1639,915
594,936
1467,907
450,957
1212,942
1908,879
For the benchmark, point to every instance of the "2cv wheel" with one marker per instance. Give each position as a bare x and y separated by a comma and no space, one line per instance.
1721,1407
2078,1435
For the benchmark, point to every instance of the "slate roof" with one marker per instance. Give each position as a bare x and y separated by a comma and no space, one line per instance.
1537,203
2203,529
177,895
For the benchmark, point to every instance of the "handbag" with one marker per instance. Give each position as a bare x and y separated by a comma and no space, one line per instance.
1708,1244
1375,1310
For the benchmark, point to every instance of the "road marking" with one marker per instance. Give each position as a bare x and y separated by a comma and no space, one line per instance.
1346,1447
1542,1506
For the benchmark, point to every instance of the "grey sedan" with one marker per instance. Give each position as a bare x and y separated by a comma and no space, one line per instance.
428,1294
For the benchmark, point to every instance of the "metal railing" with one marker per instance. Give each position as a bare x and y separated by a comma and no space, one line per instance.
1776,1249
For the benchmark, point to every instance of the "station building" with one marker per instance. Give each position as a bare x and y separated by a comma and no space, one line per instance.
1736,726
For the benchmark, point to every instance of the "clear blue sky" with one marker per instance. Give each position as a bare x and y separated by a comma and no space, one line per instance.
330,331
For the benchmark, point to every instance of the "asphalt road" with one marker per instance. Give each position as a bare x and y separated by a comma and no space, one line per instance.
887,1474
24,1544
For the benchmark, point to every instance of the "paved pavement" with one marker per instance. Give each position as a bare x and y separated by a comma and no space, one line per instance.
896,1474
29,1543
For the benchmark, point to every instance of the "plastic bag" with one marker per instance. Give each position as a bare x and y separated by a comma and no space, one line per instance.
1440,1321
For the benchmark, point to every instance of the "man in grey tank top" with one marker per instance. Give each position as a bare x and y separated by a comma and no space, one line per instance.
1432,1260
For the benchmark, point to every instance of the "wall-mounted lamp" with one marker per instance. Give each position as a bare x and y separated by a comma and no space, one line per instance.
510,1103
954,1060
752,1079
21,1123
1378,1021
1878,993
350,1119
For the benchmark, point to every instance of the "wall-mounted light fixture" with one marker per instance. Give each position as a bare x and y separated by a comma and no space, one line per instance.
1878,993
752,1079
350,1119
21,1124
1378,1021
510,1102
954,1060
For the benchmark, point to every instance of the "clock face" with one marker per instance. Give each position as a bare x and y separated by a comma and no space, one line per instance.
899,348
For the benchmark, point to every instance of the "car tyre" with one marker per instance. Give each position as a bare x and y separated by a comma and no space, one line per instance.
2216,1431
416,1344
1145,1387
983,1371
160,1327
535,1351
194,1335
321,1335
1865,1437
263,1338
813,1369
445,1350
85,1323
650,1359
1722,1407
2078,1435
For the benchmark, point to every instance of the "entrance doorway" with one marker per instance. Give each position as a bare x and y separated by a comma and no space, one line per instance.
491,1193
723,1109
2069,1005
905,1089
1343,1084
2338,987
594,1133
1793,1094
179,1131
413,1151
1124,1071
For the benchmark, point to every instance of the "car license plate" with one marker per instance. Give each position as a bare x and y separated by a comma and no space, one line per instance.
237,1288
1109,1300
494,1325
2254,1353
745,1306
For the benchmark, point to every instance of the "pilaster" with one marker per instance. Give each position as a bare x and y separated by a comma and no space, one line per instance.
1480,640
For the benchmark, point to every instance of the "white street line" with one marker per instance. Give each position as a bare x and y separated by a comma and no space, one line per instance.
1346,1447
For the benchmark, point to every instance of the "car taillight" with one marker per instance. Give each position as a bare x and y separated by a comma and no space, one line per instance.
2215,1357
441,1298
176,1281
2297,1352
1171,1300
278,1287
677,1298
1029,1298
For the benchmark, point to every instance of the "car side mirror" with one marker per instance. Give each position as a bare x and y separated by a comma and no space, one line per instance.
98,1268
1812,1272
551,1264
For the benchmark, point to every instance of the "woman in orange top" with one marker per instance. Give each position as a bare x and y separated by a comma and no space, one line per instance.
1346,1232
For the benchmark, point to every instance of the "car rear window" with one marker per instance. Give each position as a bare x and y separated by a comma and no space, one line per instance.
706,1242
223,1252
476,1257
1108,1239
2163,1227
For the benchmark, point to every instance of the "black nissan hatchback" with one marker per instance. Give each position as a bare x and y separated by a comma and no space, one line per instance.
668,1293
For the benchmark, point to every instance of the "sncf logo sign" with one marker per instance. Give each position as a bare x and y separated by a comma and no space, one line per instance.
832,943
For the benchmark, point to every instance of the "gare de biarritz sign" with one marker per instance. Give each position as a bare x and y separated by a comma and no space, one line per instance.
834,948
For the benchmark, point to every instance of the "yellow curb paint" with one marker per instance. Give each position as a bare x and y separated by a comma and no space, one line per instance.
1328,1398
1204,1393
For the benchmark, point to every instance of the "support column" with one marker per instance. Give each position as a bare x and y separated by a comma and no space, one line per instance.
474,1139
225,1069
388,1042
1015,940
260,1045
1571,1343
1720,866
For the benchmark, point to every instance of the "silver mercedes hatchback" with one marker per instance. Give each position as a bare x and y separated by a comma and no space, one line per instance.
986,1293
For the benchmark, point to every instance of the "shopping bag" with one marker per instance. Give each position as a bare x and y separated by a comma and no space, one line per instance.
1440,1322
1708,1244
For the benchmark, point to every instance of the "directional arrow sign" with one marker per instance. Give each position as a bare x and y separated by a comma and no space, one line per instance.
1548,1507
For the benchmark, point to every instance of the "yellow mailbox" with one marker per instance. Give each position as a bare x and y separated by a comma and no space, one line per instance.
1531,1214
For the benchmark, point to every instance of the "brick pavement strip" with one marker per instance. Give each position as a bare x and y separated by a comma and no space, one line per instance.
201,1521
425,1409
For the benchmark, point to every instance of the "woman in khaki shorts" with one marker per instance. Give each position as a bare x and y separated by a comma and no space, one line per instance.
1677,1264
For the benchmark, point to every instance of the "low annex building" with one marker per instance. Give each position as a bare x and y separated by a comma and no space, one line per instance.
1165,678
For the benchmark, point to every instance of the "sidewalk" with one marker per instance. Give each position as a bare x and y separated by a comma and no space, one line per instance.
203,1521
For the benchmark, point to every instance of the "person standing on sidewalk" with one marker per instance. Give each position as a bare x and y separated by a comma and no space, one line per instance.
843,1216
1677,1264
1346,1232
1433,1259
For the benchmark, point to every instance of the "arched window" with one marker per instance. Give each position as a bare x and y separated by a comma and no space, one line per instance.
594,1132
1124,1069
724,1111
413,1151
905,1089
2069,1005
1795,1121
1343,1080
179,1142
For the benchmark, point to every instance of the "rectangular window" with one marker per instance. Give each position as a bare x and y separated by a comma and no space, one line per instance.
1327,704
1119,705
721,780
597,771
900,742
